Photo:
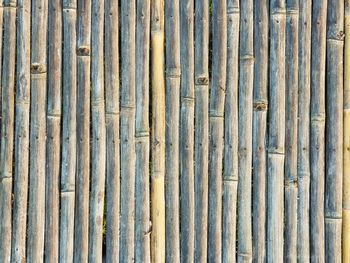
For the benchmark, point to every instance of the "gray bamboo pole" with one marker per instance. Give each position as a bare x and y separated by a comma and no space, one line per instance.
291,129
276,149
127,130
7,127
303,174
142,208
173,72
334,130
187,130
81,224
317,148
36,206
158,133
216,128
21,156
98,140
260,105
53,120
68,154
245,109
112,130
201,78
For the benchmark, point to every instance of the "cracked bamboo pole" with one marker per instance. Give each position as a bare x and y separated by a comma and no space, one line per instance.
173,82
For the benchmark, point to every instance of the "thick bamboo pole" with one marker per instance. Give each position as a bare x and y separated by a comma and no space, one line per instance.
276,149
98,140
173,72
53,120
334,130
317,148
216,128
36,206
21,155
261,53
81,227
7,127
291,126
112,130
142,184
201,78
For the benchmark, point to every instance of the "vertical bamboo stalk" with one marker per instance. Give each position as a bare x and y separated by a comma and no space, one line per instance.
53,120
7,127
142,209
158,132
245,109
173,72
201,78
290,177
303,174
317,148
187,130
112,130
260,105
36,207
346,138
81,224
127,131
216,128
276,149
98,146
21,157
334,130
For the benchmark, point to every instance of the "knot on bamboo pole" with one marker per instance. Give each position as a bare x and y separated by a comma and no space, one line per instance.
202,80
83,51
260,105
37,68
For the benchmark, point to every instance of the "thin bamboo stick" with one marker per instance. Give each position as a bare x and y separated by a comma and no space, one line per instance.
276,140
216,128
173,72
142,209
7,127
112,130
290,177
127,131
36,206
261,53
21,156
158,133
201,78
334,130
98,146
81,224
346,138
317,151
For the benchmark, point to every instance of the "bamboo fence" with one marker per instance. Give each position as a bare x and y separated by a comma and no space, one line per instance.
174,131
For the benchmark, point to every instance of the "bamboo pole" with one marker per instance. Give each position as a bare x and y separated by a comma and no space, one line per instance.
36,206
158,133
21,156
346,138
201,78
112,130
53,120
7,127
216,128
173,72
334,130
127,131
317,151
260,105
98,140
276,149
290,177
245,109
142,209
187,130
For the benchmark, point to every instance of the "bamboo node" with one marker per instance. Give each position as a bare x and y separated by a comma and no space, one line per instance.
37,68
